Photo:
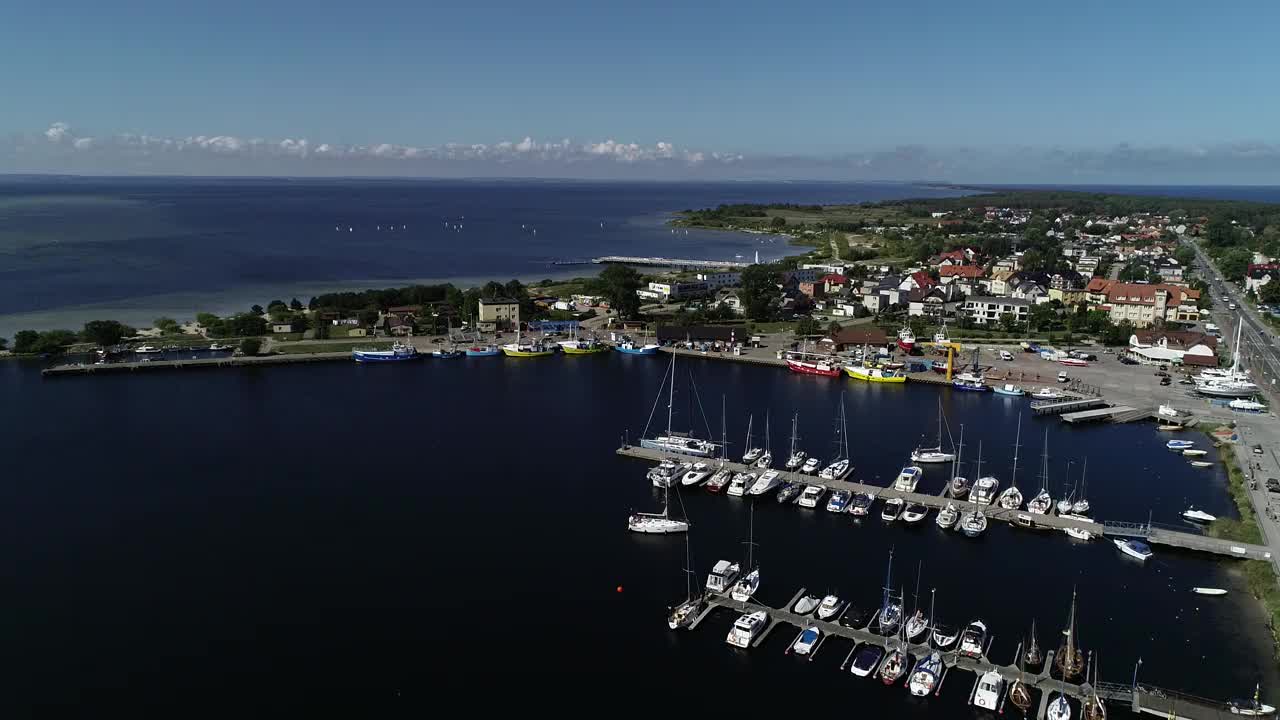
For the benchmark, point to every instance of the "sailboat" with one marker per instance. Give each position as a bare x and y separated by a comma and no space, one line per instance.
1094,708
1011,498
752,453
747,586
984,489
943,636
1018,692
675,442
1068,500
895,666
766,458
1042,503
1033,656
933,454
917,624
797,457
839,467
658,523
723,473
1081,506
890,615
683,614
958,486
1234,383
1068,659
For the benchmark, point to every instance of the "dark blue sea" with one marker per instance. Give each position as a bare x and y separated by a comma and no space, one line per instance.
294,529
132,249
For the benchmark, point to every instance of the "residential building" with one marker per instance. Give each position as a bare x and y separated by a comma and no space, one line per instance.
999,284
1156,347
679,290
1028,290
916,281
987,310
812,289
503,312
820,269
1068,296
940,301
282,327
1146,304
1169,270
720,279
833,283
805,274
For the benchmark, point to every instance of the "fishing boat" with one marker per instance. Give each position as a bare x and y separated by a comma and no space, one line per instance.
483,351
1059,708
839,501
810,466
973,523
1134,548
746,628
767,482
990,688
892,509
696,474
631,347
1047,393
1200,516
914,513
447,353
947,516
575,346
1010,390
807,641
970,384
740,483
1208,591
657,523
973,640
536,347
1200,464
812,495
860,504
788,491
807,363
907,479
933,454
722,576
1068,660
866,660
399,352
875,374
806,605
1180,445
906,339
829,608
748,584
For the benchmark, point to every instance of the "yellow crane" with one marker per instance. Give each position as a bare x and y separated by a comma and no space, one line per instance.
952,349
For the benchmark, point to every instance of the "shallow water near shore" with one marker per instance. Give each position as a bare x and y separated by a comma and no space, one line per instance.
348,525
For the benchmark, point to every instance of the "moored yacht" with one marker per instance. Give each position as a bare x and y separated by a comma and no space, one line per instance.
829,608
811,495
1180,445
933,454
808,640
866,660
810,466
973,640
747,628
741,481
838,502
984,490
806,605
1200,516
924,678
719,479
722,577
696,474
947,516
1134,548
797,459
990,688
768,480
860,504
914,513
907,479
788,491
683,444
836,470
973,523
892,509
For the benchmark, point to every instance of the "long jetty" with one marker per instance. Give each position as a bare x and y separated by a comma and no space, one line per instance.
1139,697
1152,533
671,262
195,363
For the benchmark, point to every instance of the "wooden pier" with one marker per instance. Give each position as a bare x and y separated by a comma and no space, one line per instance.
671,262
1153,534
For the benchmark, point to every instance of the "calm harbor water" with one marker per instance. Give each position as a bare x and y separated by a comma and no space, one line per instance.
131,249
354,526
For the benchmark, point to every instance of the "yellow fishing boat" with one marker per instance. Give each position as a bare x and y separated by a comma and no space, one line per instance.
576,347
874,374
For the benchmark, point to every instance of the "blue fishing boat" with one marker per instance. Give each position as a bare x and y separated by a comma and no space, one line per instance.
483,351
630,347
398,353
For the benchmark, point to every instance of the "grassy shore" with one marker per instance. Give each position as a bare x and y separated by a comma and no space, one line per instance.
1246,528
340,346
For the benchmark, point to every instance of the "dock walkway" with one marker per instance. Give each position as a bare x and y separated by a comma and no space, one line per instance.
1154,534
198,363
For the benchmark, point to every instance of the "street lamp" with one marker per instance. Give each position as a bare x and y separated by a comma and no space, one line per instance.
1135,674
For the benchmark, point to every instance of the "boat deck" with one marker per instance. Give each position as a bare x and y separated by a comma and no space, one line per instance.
1153,533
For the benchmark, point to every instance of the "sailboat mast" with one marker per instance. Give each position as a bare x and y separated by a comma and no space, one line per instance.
955,461
795,420
724,433
1017,439
1044,463
671,393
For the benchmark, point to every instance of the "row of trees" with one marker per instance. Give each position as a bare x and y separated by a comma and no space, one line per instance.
96,332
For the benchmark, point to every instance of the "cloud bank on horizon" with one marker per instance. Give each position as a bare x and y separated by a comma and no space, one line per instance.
60,148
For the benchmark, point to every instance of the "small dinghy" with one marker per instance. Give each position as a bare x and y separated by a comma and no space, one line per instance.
947,516
806,604
1200,464
1179,444
1195,453
914,512
892,509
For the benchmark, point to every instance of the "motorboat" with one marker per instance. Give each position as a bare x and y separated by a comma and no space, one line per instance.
895,666
973,640
147,350
738,486
806,605
874,374
747,628
696,474
1059,709
530,348
1200,464
931,455
810,466
719,480
399,352
970,384
839,501
722,576
449,353
811,495
924,678
958,487
1047,393
765,461
1250,708
1244,405
662,475
914,513
1134,548
866,660
483,351
907,479
990,688
1195,453
984,490
1077,533
1180,445
219,347
943,637
973,523
829,608
807,641
947,516
892,509
860,504
1208,591
1167,411
1010,390
1195,515
768,481
630,347
906,339
797,459
746,586
811,364
788,492
681,444
752,455
836,470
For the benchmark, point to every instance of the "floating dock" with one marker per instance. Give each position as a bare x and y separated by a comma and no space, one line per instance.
1152,533
1107,413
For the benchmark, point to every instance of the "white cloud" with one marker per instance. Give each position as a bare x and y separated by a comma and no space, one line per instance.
58,132
83,143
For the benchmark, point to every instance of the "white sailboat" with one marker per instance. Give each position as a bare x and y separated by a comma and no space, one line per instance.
682,615
752,453
766,458
1011,498
723,473
747,586
797,458
1081,506
1042,503
675,442
933,454
958,487
1235,383
657,523
984,489
840,467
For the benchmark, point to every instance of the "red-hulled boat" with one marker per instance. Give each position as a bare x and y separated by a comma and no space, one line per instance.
808,364
906,339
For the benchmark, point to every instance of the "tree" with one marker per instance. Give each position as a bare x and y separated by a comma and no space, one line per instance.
1009,322
166,325
25,340
1185,255
1043,316
833,327
1118,334
1234,263
778,222
4,344
105,332
1135,271
1219,232
298,323
807,326
1269,293
207,320
250,346
759,290
50,341
257,309
619,283
295,305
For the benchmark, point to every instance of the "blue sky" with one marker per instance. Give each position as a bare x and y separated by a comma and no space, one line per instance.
792,88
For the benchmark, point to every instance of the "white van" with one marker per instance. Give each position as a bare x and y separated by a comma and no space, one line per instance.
1006,355
1062,376
1231,306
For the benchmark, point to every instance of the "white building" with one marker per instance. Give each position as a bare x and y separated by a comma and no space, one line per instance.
678,290
987,310
721,279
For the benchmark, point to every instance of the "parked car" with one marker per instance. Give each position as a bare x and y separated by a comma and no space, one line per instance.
1273,485
1062,377
1161,373
1166,381
1257,449
1006,355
